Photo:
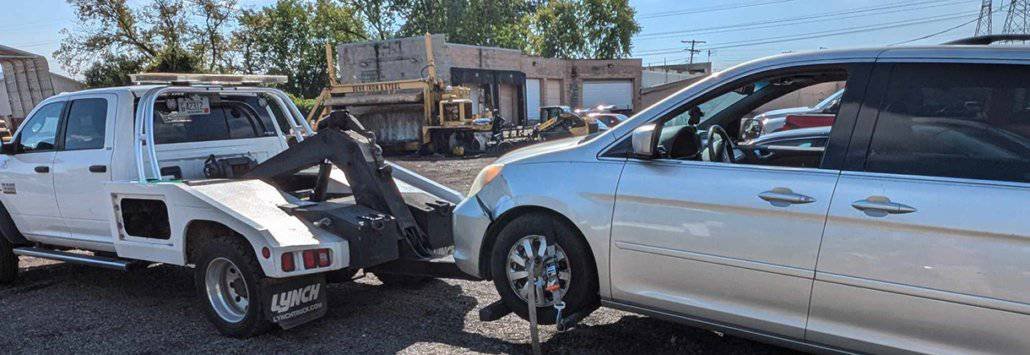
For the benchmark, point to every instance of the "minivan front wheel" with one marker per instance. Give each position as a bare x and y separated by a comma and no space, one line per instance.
528,236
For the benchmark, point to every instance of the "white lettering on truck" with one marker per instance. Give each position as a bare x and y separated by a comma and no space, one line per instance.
282,302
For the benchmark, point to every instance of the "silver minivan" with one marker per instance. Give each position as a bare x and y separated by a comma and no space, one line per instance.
904,227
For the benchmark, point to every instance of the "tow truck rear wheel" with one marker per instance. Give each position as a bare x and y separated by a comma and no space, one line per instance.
8,262
229,285
576,272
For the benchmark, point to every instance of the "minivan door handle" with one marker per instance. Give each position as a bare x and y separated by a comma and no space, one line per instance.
42,169
881,204
782,196
98,168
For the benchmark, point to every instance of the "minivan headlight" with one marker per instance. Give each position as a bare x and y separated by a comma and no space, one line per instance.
485,177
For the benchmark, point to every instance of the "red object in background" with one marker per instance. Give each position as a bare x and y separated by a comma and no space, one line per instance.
807,121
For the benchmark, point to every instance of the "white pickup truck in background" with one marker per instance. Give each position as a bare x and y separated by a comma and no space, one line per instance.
155,174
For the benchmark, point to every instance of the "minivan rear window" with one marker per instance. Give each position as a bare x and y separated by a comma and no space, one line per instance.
955,120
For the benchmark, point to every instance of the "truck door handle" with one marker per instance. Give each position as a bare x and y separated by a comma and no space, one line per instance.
881,204
98,168
782,196
42,169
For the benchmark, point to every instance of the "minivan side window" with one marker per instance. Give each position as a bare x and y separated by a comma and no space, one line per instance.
954,120
87,123
39,133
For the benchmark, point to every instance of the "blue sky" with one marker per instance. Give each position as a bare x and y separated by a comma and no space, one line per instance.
735,30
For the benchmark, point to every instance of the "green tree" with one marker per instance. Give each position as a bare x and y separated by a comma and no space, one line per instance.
111,71
557,32
610,27
475,22
381,17
601,29
289,36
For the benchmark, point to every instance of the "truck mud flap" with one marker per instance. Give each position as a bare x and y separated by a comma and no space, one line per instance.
296,300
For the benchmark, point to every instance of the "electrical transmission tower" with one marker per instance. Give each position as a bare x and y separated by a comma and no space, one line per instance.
1016,20
983,24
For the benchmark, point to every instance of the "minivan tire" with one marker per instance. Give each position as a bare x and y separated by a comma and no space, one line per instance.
582,290
235,256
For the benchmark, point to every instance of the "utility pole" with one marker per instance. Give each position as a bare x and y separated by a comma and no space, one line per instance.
983,24
1016,19
693,50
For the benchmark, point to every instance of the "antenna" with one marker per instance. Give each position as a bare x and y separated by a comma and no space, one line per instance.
983,24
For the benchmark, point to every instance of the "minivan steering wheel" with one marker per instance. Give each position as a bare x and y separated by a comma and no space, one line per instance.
721,150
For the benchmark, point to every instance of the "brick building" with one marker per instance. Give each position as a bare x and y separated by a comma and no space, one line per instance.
506,79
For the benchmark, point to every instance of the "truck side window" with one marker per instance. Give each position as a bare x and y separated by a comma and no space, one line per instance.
39,133
87,122
955,120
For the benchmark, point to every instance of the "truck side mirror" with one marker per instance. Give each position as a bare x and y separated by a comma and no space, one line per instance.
643,141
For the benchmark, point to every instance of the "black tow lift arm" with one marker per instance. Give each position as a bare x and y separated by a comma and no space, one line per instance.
342,141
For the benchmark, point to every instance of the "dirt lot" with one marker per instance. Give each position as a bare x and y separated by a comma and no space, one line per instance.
68,308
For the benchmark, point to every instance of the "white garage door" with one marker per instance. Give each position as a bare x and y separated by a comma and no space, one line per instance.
553,93
608,92
533,99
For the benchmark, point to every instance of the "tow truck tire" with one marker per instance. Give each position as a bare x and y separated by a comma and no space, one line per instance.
8,262
227,270
581,288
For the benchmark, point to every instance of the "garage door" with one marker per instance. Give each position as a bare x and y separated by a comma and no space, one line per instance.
553,93
533,99
608,92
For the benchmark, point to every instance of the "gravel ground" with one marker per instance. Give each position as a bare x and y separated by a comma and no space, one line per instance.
60,308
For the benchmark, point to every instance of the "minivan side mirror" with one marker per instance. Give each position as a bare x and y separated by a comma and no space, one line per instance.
7,148
643,141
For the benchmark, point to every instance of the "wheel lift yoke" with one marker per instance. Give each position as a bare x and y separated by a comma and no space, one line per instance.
377,215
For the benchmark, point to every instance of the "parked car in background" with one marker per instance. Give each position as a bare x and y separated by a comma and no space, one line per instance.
821,114
606,120
898,228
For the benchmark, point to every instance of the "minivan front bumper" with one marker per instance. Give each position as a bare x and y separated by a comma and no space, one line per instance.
471,221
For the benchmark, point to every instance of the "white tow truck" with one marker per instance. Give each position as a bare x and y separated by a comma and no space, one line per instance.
217,173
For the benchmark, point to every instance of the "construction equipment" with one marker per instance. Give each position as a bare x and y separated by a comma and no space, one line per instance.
560,122
423,114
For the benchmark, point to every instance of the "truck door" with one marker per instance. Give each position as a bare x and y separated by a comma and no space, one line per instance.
25,174
81,167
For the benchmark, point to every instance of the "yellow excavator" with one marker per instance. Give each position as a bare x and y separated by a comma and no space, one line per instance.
412,115
560,122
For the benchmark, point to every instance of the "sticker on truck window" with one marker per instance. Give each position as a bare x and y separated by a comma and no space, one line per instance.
193,105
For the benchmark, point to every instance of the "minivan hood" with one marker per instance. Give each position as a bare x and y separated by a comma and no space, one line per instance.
537,149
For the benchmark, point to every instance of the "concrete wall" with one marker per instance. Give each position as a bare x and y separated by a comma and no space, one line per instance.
65,84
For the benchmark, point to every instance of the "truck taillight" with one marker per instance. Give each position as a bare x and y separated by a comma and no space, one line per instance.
315,258
287,262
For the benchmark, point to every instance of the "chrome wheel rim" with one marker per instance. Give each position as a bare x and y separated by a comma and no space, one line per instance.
518,273
227,290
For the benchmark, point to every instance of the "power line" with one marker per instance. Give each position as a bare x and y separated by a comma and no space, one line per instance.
693,51
849,13
828,33
710,9
949,29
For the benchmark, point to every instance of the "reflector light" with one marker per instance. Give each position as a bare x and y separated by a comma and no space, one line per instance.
287,262
323,258
266,253
310,259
